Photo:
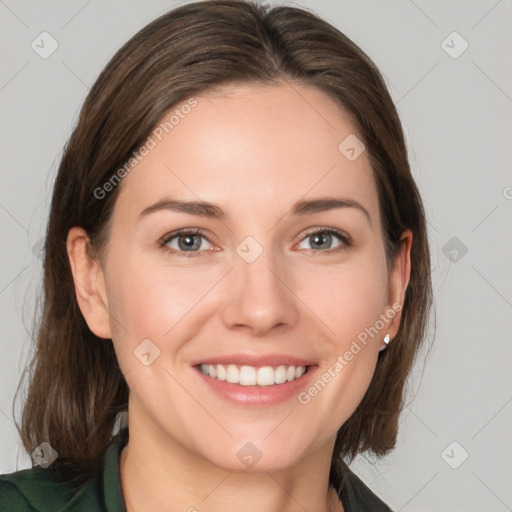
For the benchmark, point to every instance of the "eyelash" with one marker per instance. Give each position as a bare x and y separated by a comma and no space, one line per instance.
345,239
181,232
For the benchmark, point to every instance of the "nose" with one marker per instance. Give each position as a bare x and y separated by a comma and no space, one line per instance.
260,298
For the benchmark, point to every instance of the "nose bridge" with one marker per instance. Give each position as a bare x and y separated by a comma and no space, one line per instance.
260,277
259,299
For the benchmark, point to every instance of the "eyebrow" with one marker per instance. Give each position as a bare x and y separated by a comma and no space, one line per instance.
210,210
199,208
328,203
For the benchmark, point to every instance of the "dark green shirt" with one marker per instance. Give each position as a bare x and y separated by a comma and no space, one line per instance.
39,490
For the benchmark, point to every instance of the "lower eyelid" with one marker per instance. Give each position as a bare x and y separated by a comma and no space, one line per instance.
186,254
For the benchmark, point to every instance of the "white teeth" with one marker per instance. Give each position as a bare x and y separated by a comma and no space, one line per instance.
280,375
251,376
221,372
265,376
232,374
247,376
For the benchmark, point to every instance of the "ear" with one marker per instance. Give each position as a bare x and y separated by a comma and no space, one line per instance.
398,281
89,283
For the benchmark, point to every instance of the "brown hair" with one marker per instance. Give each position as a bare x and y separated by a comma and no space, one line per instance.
76,387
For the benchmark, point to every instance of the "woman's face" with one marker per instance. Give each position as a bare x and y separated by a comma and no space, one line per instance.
280,263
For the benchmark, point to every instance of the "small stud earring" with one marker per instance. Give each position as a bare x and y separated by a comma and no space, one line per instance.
386,341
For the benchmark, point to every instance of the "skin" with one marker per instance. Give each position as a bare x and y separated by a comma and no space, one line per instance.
254,151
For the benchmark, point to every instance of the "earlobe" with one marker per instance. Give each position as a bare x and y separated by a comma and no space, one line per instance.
399,280
89,283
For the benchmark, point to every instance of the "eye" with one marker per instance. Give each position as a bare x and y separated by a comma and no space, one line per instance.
324,240
186,241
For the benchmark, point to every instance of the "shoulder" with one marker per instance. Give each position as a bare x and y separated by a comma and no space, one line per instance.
10,496
41,490
358,497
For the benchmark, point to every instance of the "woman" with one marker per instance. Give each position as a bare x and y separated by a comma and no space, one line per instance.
236,256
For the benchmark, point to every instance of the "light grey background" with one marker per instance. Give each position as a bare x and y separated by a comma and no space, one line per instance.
457,117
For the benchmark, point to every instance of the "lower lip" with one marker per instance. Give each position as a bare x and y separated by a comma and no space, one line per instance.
258,395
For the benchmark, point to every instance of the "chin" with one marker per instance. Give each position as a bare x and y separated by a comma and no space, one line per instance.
257,456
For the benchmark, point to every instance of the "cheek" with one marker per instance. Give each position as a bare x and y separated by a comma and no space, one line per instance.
150,301
347,298
162,306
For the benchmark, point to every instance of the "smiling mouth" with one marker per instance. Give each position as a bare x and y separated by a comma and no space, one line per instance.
253,376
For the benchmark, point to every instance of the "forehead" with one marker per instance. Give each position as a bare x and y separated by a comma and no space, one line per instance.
251,146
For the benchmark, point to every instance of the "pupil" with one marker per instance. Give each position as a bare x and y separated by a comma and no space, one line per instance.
187,242
319,239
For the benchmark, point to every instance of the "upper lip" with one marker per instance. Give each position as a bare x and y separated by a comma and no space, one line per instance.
256,360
